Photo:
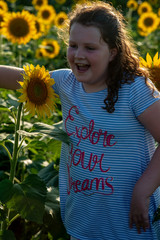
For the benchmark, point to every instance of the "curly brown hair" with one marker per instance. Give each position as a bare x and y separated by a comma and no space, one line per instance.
111,23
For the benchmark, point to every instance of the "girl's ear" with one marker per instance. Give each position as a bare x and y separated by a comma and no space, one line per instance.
113,53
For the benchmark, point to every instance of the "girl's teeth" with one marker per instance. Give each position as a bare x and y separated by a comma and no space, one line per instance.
82,67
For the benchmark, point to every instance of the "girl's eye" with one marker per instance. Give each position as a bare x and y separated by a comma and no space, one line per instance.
90,48
72,46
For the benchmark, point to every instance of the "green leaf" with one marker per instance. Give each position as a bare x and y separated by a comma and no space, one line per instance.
7,235
52,217
52,205
54,131
3,103
4,137
29,198
12,100
6,190
49,175
28,134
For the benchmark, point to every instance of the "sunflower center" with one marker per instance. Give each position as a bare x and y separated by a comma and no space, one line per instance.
144,9
45,14
148,21
50,48
155,73
37,91
155,76
19,27
60,21
39,2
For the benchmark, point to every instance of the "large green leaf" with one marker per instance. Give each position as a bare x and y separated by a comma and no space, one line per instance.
54,131
29,198
49,175
7,235
5,136
52,218
52,205
12,100
6,190
28,134
3,104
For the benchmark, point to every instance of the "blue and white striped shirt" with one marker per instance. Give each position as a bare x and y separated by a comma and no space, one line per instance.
107,155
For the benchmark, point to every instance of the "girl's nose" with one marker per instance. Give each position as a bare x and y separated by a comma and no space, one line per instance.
79,53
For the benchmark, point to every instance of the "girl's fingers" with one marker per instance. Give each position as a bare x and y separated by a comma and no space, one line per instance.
140,222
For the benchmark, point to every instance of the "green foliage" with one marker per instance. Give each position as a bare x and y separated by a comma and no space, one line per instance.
31,200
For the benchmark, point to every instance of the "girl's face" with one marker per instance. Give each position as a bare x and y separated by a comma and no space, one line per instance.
88,56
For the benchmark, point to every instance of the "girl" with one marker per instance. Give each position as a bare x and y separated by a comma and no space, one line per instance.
110,173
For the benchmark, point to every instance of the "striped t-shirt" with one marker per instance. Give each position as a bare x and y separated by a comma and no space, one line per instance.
107,155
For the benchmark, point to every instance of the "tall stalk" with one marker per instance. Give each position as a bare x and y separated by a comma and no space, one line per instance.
16,143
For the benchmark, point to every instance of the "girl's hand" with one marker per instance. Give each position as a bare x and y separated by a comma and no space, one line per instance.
139,211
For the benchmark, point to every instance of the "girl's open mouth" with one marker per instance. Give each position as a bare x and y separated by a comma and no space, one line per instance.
82,67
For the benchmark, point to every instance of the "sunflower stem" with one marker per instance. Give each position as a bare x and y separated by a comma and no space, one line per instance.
4,223
14,218
16,142
19,56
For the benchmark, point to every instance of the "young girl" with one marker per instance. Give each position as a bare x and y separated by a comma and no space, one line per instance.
110,173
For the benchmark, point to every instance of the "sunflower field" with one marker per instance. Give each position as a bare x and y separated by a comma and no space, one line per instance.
30,136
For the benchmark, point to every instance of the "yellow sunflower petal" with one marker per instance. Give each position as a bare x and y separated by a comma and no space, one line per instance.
21,83
156,61
143,62
149,60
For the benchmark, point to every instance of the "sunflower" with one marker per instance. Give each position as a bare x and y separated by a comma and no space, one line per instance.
60,19
148,22
144,7
60,1
2,15
47,13
154,68
3,6
142,32
40,28
37,91
19,27
39,3
51,48
132,4
39,53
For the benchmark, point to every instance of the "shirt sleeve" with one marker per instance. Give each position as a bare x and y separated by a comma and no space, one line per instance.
59,76
142,95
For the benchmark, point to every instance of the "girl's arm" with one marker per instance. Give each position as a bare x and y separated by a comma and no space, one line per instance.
150,179
9,77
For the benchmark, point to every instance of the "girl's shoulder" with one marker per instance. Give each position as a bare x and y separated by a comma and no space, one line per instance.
63,79
142,94
62,76
60,73
140,84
